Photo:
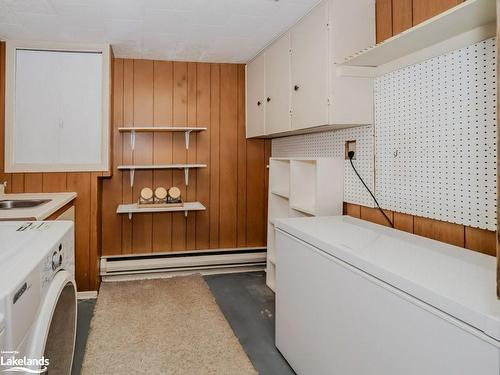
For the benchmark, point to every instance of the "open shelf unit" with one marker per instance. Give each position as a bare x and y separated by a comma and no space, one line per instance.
301,187
131,209
186,167
147,129
469,16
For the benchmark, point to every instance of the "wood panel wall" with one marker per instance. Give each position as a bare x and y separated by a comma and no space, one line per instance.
87,208
233,187
395,16
480,240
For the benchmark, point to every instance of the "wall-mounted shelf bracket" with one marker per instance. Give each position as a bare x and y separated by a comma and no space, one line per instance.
132,174
132,139
186,138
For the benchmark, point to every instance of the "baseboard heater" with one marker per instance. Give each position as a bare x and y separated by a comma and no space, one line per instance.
200,261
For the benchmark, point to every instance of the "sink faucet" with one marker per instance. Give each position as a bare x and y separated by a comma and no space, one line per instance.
3,185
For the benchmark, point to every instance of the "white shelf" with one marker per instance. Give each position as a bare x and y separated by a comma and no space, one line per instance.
186,168
468,16
306,210
133,209
301,187
282,194
146,129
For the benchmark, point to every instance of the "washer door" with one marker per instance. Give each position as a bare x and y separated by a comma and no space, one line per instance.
54,334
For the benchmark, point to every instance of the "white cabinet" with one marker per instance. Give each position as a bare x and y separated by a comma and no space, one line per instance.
305,88
300,187
309,69
255,81
57,108
278,86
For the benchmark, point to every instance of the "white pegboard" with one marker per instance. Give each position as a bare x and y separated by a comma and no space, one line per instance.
332,143
435,137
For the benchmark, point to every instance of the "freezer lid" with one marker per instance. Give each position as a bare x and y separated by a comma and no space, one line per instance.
458,281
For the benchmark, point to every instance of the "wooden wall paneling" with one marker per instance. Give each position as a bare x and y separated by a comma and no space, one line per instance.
268,148
203,156
112,187
425,9
33,182
54,182
403,222
242,156
401,15
256,171
480,240
192,96
214,154
81,184
128,120
375,216
228,196
383,14
95,229
352,209
17,183
179,150
439,230
143,152
162,149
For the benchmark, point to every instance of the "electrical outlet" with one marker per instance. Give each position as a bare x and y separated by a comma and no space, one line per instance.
350,146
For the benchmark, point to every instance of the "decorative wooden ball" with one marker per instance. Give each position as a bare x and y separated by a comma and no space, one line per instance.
146,194
174,193
160,193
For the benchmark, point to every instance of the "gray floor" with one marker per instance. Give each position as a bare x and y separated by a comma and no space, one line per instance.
248,306
85,312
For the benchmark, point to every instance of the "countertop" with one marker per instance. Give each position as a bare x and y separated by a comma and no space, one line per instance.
42,212
458,281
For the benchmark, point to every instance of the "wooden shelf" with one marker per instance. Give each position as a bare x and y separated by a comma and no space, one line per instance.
470,15
131,209
186,167
148,129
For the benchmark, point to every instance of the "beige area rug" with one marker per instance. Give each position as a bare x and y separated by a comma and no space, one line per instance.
163,326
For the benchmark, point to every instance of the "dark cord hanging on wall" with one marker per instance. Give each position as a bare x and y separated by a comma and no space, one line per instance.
350,154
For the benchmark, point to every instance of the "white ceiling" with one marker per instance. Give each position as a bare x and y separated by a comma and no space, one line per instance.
189,30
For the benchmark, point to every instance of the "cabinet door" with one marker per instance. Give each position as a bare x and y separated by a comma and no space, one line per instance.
255,96
425,9
309,67
278,86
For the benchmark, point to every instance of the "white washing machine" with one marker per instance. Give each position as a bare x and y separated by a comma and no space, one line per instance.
37,296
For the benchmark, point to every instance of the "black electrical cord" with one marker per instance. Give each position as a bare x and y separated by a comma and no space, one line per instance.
350,154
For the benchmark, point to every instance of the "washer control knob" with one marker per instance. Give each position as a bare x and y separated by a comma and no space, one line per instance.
56,261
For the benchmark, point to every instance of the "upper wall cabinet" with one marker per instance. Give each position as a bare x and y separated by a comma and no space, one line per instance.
57,108
256,80
302,88
278,85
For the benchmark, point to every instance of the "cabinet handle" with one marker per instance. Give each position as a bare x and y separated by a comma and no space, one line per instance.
268,100
259,103
296,88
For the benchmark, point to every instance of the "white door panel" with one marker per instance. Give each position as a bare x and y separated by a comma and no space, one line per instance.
255,79
278,86
309,69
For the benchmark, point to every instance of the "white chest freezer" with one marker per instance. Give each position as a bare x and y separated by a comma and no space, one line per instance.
356,298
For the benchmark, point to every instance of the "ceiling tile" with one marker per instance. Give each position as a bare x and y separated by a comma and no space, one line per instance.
199,30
